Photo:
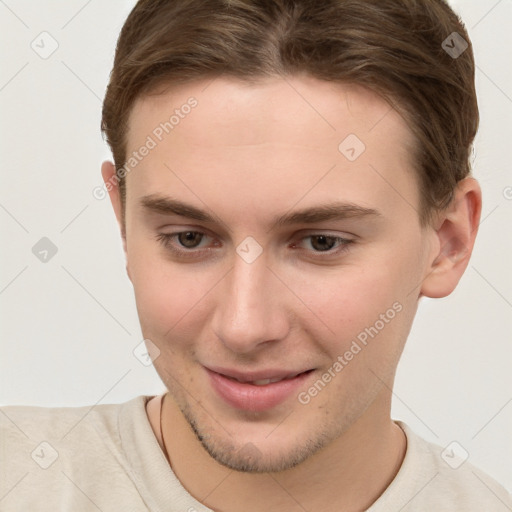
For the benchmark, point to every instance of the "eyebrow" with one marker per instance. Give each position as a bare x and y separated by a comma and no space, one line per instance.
326,212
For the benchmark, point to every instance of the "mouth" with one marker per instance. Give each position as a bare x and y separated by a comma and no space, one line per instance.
256,391
264,382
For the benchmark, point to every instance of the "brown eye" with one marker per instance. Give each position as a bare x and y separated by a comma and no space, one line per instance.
189,239
323,242
323,245
185,244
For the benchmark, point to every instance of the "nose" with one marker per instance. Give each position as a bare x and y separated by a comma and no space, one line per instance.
250,307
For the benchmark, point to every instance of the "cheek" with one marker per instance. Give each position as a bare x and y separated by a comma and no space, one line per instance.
168,295
368,318
366,302
167,306
344,296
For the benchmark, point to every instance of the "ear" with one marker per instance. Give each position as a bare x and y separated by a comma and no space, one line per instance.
108,173
456,231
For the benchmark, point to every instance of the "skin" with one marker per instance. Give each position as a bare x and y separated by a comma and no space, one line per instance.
247,153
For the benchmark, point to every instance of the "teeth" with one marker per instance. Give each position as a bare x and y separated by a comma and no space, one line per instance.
264,382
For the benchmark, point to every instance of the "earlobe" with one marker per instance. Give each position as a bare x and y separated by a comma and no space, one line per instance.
455,240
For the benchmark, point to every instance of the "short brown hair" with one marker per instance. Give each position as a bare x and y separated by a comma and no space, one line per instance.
397,48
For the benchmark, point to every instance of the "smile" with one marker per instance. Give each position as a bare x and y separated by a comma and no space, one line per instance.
256,394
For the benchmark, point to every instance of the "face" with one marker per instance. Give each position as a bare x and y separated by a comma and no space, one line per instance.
321,301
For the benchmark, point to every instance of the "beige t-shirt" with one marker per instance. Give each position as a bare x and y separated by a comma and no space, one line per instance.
107,458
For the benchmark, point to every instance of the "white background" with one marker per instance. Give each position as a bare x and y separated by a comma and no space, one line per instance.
68,326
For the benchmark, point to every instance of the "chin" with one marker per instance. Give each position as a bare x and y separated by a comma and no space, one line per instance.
262,452
248,458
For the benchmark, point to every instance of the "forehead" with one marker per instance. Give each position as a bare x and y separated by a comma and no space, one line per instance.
266,105
280,134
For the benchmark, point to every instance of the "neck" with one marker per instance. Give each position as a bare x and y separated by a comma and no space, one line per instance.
348,475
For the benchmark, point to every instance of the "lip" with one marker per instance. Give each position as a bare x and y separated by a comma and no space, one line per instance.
248,376
250,397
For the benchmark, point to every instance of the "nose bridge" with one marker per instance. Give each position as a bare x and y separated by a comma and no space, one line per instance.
249,309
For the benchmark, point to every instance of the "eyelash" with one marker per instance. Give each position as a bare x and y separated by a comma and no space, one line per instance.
166,238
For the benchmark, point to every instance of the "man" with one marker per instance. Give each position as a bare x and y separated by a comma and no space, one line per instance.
290,178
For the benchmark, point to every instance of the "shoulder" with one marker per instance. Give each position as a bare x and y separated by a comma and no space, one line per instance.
37,433
437,478
43,450
27,424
